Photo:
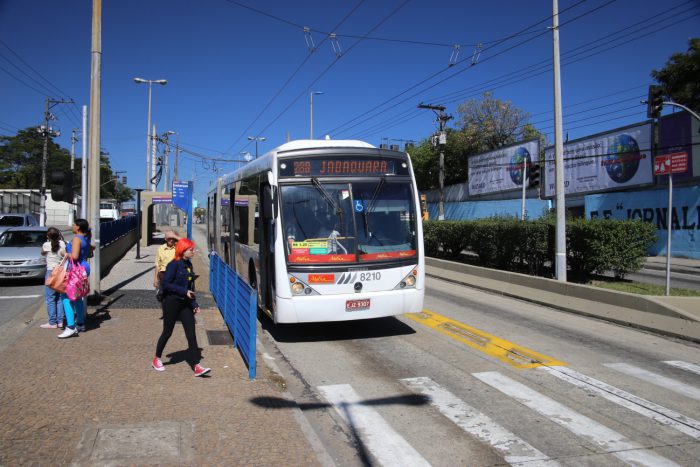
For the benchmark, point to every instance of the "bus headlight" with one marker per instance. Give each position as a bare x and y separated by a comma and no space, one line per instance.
408,281
297,288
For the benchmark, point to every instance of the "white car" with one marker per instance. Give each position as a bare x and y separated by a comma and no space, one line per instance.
108,212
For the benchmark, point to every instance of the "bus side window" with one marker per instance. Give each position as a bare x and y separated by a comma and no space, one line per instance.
240,220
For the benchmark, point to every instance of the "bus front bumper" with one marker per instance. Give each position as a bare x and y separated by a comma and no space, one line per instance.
318,308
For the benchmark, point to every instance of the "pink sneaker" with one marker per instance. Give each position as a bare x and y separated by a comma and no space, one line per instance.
49,326
199,370
157,364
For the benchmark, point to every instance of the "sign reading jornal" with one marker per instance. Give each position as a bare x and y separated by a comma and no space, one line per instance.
501,169
620,158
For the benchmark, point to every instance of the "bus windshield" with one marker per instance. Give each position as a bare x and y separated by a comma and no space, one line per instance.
337,222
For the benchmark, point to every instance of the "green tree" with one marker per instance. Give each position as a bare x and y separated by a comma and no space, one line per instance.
679,78
482,125
21,159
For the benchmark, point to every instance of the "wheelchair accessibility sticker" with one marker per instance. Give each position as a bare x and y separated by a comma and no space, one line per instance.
359,207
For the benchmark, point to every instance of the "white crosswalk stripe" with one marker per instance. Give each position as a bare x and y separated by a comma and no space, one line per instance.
603,437
684,366
644,407
385,444
514,449
657,379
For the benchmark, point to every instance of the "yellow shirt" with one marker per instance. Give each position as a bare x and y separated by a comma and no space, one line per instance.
164,256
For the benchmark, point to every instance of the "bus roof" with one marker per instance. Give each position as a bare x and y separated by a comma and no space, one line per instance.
322,143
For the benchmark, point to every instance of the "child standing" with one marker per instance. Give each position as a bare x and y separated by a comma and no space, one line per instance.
54,249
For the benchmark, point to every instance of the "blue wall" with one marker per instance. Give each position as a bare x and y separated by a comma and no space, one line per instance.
652,206
465,210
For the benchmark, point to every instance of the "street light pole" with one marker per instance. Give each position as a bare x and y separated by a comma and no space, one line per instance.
311,112
256,139
150,82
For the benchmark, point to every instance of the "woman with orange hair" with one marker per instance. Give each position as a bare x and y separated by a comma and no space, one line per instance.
179,304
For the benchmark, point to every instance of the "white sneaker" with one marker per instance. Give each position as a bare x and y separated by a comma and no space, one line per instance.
68,332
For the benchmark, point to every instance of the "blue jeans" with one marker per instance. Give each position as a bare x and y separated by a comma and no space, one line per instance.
54,305
75,311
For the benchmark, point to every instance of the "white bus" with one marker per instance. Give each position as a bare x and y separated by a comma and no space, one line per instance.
324,230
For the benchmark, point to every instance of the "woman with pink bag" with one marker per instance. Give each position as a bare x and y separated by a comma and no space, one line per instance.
78,250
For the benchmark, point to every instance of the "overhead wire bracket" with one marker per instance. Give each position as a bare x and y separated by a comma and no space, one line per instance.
336,45
309,39
477,53
455,55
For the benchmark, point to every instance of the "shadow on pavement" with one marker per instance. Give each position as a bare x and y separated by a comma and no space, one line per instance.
362,452
335,330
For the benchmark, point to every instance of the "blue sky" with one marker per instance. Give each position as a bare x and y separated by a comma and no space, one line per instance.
235,72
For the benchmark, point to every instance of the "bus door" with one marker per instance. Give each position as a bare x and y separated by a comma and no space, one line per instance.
267,247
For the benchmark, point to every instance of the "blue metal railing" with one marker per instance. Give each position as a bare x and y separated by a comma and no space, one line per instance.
112,231
238,303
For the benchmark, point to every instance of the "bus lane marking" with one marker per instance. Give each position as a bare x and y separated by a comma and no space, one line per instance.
607,439
514,449
385,444
507,352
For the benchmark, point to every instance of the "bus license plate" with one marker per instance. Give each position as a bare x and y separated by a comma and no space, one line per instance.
357,305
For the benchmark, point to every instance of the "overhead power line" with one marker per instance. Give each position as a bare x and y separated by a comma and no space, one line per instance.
291,77
328,68
514,77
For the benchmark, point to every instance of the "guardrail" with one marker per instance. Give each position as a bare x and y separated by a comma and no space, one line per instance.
110,232
238,304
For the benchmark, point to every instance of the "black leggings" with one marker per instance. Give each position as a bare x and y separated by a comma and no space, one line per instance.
175,309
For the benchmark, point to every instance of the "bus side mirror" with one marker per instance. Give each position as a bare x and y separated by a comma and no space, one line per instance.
269,202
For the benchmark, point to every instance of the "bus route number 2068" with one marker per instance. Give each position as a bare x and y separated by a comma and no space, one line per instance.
370,276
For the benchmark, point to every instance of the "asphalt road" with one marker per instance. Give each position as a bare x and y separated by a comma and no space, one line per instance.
481,379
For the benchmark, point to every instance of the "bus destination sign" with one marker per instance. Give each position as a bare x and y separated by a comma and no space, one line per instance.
342,167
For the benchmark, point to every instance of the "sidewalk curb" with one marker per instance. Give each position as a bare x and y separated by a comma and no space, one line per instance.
322,455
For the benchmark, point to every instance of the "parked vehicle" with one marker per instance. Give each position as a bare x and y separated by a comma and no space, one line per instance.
20,253
8,220
108,211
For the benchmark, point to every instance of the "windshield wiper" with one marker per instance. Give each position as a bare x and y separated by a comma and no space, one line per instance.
381,183
327,196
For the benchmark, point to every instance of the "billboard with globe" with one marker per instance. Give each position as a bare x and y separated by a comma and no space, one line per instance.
501,169
608,161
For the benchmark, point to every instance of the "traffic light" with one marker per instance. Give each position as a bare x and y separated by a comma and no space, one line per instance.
534,175
655,102
62,185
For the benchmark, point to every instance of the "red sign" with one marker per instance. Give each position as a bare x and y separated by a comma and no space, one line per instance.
357,305
667,164
321,278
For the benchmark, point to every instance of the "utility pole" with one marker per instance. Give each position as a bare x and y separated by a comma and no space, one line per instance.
45,157
73,140
84,169
558,152
95,135
442,140
153,159
177,155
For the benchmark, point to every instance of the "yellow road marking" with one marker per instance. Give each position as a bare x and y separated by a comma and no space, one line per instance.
512,354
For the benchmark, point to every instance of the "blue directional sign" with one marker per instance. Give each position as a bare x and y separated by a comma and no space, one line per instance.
182,198
181,194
